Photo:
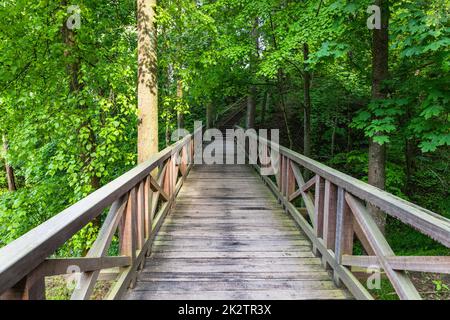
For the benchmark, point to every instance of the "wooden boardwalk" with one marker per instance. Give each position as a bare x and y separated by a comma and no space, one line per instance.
228,238
222,232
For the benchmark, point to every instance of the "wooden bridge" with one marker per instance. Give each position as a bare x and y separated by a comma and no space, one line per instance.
226,232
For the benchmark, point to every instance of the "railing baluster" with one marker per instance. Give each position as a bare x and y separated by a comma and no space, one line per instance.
329,218
167,178
318,209
290,179
140,217
344,230
148,196
128,228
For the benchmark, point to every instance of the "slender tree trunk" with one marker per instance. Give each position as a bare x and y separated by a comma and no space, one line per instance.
380,72
306,105
333,138
73,70
147,80
180,113
251,97
264,106
251,107
167,135
349,130
209,115
280,84
410,165
283,106
9,170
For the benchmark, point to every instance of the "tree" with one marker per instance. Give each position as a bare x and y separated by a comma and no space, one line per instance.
147,80
9,169
380,73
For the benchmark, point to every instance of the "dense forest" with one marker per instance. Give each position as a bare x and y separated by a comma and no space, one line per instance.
372,101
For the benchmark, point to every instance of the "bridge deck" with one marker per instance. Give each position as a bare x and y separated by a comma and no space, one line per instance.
228,238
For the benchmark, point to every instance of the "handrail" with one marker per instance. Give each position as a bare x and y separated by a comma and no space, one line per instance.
136,199
336,210
231,115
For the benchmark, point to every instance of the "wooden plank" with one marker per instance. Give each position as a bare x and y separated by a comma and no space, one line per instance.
241,295
21,256
362,238
234,276
140,215
127,232
32,287
164,192
228,285
402,284
329,217
308,185
52,267
344,228
167,181
319,206
290,179
148,197
437,264
231,254
100,248
344,231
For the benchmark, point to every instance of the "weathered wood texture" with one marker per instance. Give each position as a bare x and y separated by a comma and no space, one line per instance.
339,213
228,238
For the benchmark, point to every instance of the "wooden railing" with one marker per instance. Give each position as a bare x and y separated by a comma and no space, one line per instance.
229,113
138,201
336,209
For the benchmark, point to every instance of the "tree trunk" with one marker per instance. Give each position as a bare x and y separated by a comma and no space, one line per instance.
380,72
167,134
251,97
9,170
333,138
73,68
147,80
180,113
283,106
209,115
410,165
251,107
264,107
306,105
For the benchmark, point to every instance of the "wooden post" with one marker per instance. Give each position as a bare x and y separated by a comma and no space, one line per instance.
167,184
32,287
344,230
329,218
290,179
128,228
148,195
318,209
147,80
140,235
282,172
